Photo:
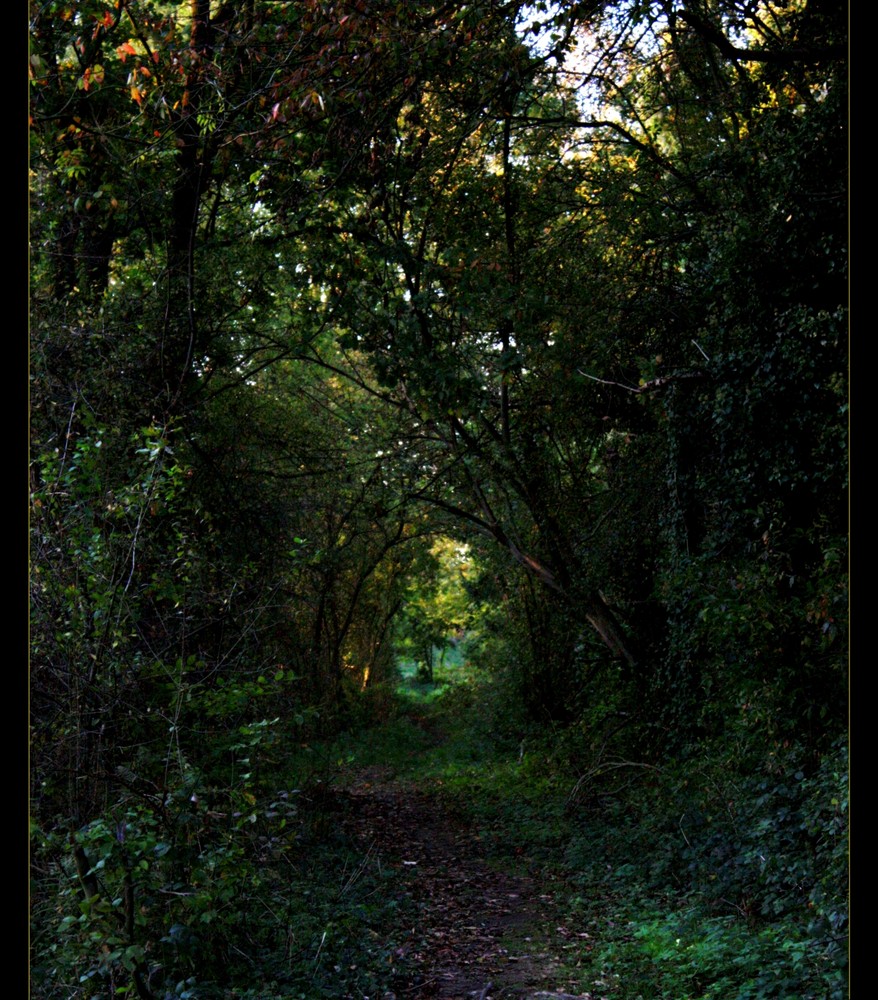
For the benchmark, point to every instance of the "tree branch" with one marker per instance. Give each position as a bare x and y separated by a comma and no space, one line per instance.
785,57
656,383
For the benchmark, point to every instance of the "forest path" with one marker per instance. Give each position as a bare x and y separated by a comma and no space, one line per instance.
484,930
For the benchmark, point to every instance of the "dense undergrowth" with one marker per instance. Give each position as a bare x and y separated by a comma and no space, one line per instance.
362,328
719,874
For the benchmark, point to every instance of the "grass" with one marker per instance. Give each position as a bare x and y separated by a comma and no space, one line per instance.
672,910
721,876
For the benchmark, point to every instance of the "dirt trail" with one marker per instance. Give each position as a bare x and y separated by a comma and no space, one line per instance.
483,932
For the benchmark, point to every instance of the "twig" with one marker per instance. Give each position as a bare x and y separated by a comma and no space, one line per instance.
656,383
602,768
605,381
419,986
680,824
66,443
703,352
358,871
319,949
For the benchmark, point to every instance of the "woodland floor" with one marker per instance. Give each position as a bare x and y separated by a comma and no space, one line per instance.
484,931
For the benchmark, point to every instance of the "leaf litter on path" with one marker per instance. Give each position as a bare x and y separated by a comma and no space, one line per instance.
482,932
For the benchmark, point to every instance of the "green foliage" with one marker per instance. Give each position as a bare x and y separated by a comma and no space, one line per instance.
721,873
731,872
193,888
362,335
437,612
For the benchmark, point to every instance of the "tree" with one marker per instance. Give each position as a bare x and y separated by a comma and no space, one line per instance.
316,282
437,608
211,542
